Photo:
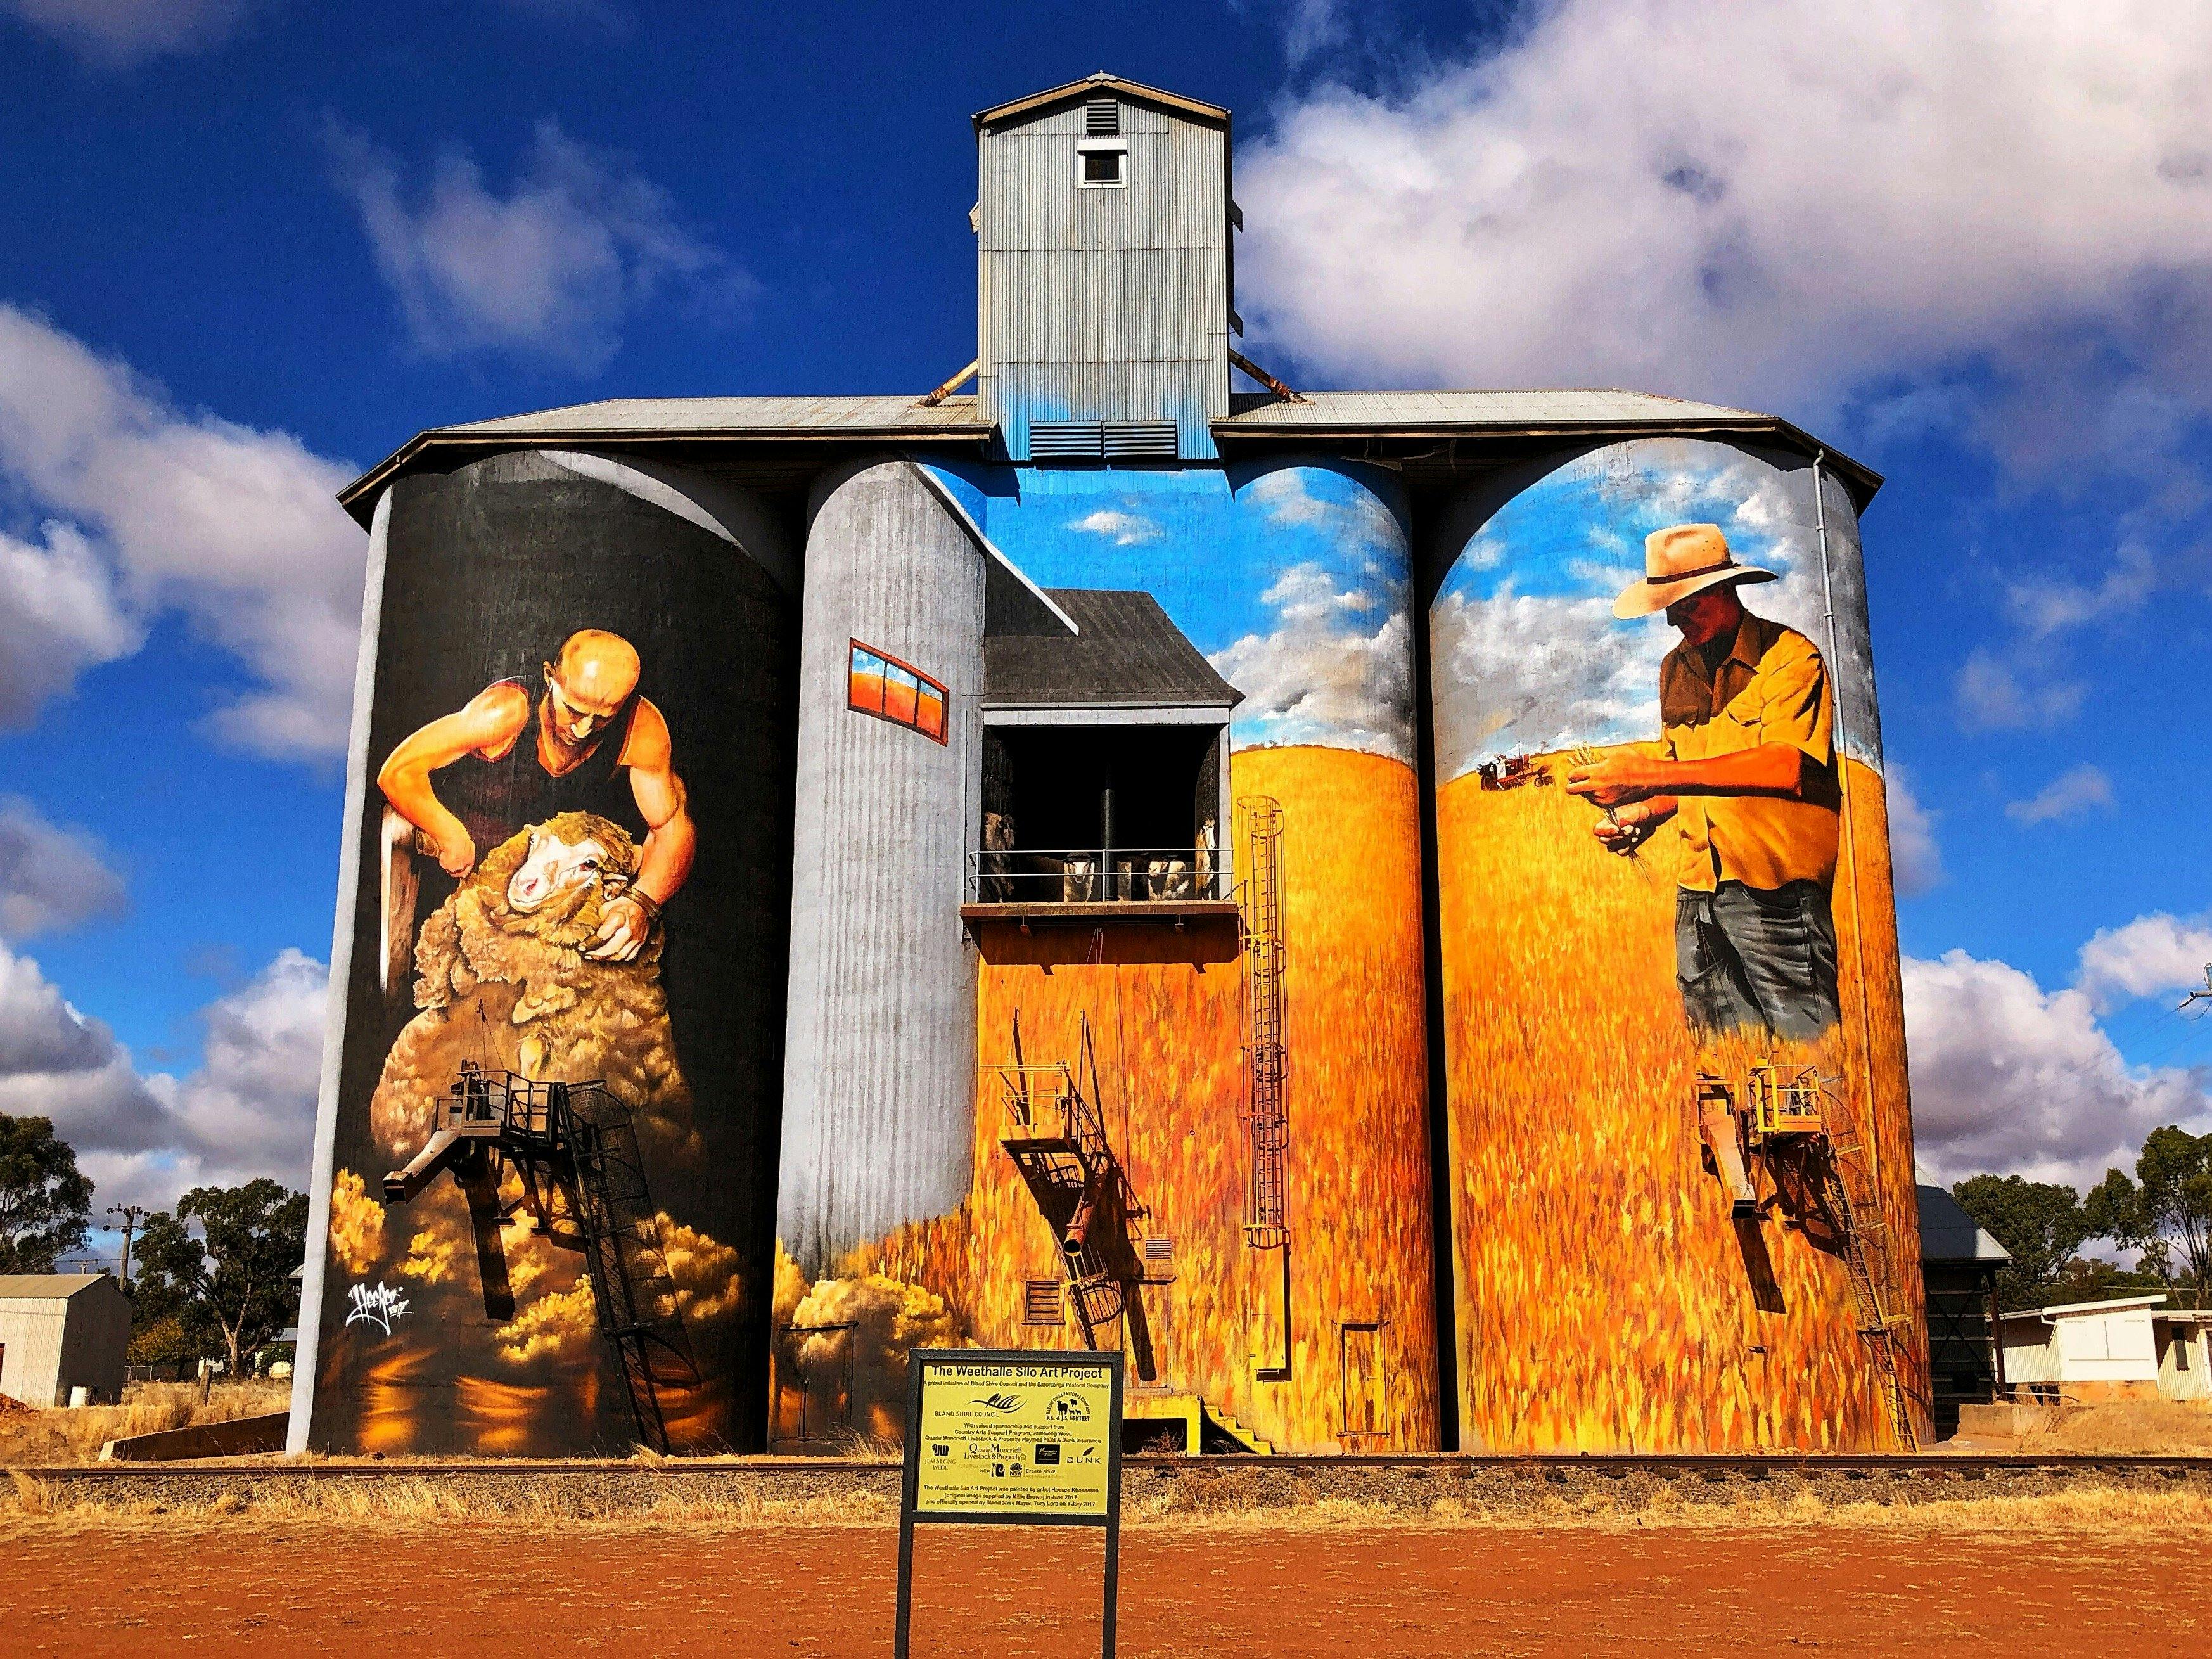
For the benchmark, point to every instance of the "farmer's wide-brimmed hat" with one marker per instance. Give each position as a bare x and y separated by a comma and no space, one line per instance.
1679,561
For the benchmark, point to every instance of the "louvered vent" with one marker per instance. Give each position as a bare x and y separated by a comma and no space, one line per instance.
1068,441
1159,1259
1102,119
1136,440
1041,1303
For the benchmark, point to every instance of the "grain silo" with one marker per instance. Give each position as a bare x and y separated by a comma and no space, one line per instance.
569,829
1172,865
1681,1163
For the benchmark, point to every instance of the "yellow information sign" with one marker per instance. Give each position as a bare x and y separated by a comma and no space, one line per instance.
1027,1439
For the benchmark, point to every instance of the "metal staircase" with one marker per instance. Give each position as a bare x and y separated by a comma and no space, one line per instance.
1266,1119
1056,1137
572,1146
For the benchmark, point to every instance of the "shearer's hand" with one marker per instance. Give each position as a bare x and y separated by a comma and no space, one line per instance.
457,855
1615,781
623,926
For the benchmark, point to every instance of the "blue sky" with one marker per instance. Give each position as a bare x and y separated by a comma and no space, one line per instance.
247,247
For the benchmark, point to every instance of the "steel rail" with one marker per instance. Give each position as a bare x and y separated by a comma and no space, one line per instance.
1620,1465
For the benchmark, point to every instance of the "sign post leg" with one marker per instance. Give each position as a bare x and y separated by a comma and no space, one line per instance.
901,1627
1113,1584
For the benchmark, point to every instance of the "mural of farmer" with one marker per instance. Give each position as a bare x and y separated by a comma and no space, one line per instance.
1745,771
589,743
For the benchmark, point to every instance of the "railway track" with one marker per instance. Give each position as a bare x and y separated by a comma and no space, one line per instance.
1399,1479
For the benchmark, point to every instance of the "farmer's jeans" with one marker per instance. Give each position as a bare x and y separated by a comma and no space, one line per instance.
1756,957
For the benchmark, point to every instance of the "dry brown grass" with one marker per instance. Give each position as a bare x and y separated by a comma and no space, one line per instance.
2125,1426
2103,1510
427,1501
427,1504
66,1435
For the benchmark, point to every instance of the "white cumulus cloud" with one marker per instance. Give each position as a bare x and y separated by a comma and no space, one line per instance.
166,509
2150,956
64,615
2012,1079
1915,855
248,1110
51,875
549,269
115,33
1769,204
2069,795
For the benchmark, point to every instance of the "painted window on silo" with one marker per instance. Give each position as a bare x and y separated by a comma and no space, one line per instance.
882,685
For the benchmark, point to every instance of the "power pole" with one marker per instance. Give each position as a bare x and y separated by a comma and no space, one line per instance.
2202,994
132,1214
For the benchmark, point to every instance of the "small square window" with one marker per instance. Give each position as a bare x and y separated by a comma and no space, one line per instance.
1101,164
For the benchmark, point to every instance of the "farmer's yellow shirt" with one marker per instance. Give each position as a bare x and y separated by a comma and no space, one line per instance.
1771,688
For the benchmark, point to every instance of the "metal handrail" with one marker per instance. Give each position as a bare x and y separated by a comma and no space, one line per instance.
1073,875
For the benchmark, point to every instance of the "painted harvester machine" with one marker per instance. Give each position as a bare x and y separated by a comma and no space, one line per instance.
1787,1142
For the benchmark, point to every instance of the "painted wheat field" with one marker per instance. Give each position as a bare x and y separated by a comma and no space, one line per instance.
1166,1011
1605,1300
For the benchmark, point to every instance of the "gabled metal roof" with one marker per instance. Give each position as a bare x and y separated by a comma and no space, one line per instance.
1254,417
898,419
43,1287
1948,1233
1601,412
1093,86
1127,651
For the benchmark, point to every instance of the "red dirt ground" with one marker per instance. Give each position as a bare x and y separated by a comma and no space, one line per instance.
503,1589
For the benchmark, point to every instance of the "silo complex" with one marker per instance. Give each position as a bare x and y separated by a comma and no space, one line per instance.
1373,905
1680,1161
573,831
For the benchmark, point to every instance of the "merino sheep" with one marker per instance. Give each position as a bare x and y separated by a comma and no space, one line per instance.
502,979
1078,881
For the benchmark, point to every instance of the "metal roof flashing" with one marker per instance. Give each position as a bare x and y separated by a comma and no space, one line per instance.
905,421
1093,86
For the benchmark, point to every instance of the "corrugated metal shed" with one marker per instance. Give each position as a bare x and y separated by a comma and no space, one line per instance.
1128,652
19,1287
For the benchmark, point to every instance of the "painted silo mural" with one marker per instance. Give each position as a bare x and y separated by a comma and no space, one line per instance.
1681,1145
1192,845
547,1198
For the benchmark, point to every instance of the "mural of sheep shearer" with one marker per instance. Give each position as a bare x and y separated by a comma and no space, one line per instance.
558,883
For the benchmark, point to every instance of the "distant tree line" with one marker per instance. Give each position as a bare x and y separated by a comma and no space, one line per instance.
2163,1214
211,1279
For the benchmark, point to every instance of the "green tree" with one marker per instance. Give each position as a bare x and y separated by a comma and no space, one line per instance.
236,1274
45,1205
2168,1216
2040,1223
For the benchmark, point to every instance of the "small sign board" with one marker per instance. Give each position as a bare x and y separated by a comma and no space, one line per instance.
1022,1438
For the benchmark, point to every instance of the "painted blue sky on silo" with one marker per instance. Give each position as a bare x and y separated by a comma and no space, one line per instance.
1293,579
1528,653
